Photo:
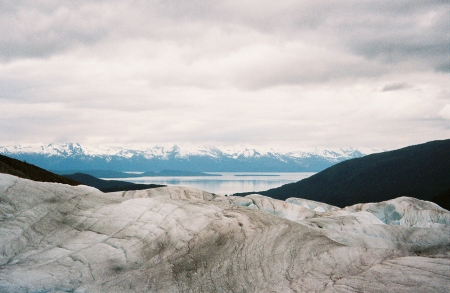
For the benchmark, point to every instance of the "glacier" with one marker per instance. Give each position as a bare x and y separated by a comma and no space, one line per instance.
60,238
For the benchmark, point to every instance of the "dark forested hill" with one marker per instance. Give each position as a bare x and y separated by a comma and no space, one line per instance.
420,171
109,185
28,171
24,170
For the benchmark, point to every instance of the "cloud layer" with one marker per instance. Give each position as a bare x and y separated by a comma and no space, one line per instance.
289,73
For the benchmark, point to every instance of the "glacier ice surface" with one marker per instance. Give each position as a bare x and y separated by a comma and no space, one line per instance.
60,238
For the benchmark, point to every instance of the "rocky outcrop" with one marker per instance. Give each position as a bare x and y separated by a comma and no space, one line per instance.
60,238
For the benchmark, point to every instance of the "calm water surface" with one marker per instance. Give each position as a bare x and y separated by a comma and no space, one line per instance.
228,183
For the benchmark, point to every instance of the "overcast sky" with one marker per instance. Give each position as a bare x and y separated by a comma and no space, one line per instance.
280,74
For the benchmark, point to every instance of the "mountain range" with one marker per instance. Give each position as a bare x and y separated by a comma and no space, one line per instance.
60,238
74,156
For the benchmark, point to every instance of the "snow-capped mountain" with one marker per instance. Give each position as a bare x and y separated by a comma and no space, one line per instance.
74,156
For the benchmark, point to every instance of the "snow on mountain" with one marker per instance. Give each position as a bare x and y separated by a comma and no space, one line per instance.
60,238
206,158
76,149
63,150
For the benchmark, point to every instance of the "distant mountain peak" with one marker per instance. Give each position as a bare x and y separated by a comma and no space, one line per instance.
59,156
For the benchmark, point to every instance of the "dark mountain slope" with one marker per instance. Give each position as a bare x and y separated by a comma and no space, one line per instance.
109,185
28,171
24,170
420,171
443,199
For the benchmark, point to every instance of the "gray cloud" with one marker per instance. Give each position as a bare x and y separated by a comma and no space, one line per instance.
392,32
262,72
400,32
395,86
39,29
